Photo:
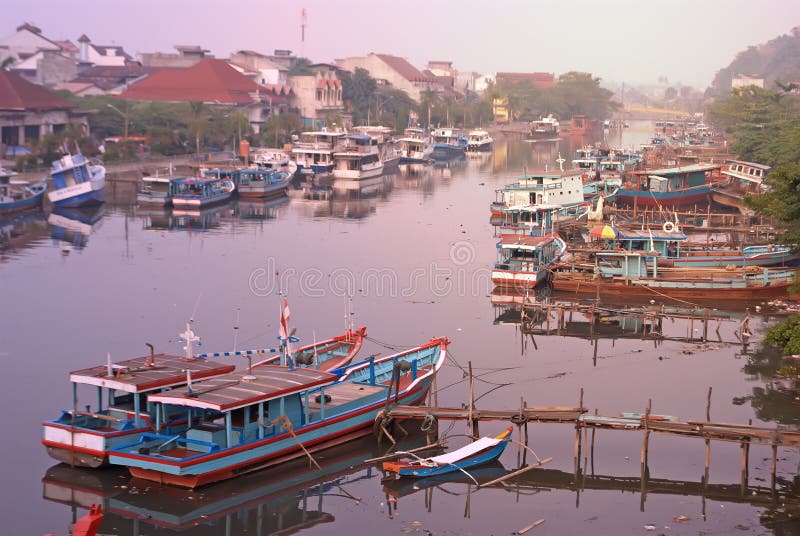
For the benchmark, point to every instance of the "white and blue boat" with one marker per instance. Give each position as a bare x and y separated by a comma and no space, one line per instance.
416,146
155,191
313,152
17,196
270,414
448,142
76,182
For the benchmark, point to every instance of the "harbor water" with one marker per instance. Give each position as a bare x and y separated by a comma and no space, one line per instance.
409,255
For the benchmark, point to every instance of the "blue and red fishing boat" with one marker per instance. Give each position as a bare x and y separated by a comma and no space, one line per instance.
270,414
83,437
479,452
670,187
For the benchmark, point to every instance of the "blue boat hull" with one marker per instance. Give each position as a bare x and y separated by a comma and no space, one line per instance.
95,197
25,204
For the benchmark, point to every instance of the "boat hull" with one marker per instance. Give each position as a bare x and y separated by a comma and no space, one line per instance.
31,202
267,452
682,198
80,195
518,280
262,190
83,447
722,289
194,201
153,200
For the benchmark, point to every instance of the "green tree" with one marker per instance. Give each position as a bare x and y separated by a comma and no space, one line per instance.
358,92
301,67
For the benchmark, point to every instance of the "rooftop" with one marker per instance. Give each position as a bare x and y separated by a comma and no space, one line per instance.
239,389
16,93
137,376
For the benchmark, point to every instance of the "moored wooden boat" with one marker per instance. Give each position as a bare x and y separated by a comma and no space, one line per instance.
254,182
271,414
524,261
18,196
84,437
155,191
479,452
196,192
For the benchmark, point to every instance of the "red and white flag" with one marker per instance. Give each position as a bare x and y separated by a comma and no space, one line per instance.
285,317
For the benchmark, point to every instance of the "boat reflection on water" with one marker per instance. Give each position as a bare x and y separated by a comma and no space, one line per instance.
345,198
281,500
20,232
260,209
185,219
71,227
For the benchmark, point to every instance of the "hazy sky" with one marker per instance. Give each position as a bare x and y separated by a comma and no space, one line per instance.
619,40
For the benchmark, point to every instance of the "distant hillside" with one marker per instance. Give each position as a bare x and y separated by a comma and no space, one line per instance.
778,59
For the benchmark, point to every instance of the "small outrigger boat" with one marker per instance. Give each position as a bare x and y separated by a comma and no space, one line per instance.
84,437
271,414
196,192
155,191
479,452
16,196
76,182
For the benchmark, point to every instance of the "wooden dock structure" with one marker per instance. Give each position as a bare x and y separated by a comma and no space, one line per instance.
646,423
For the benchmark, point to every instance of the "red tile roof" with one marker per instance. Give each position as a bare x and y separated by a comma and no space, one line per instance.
210,80
16,93
405,69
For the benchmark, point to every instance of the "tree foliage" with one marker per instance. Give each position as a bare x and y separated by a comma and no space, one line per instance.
785,335
764,127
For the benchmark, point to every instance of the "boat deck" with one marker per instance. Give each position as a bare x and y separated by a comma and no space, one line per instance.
344,393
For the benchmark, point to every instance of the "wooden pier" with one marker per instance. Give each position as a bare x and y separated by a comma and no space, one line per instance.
579,417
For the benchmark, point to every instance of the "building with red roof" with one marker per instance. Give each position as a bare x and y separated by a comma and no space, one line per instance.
28,112
210,81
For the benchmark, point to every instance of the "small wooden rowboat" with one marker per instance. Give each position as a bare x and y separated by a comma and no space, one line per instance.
480,451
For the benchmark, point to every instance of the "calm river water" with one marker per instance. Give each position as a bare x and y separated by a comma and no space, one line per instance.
409,254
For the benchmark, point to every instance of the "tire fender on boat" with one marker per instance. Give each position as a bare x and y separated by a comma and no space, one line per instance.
668,227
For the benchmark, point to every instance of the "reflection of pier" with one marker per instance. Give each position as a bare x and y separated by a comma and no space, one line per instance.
543,480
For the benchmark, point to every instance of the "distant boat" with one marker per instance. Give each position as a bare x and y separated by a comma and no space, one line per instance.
272,414
479,140
415,146
16,196
544,128
155,191
83,436
357,158
479,452
525,261
255,182
313,152
448,142
196,192
76,182
273,159
670,187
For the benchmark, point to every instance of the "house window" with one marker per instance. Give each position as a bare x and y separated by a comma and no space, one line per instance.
31,133
319,94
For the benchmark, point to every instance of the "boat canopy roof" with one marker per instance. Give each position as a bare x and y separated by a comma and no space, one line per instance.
193,180
694,168
243,388
513,241
750,164
137,375
645,234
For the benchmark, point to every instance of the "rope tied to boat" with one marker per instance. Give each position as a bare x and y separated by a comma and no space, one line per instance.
427,423
284,422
